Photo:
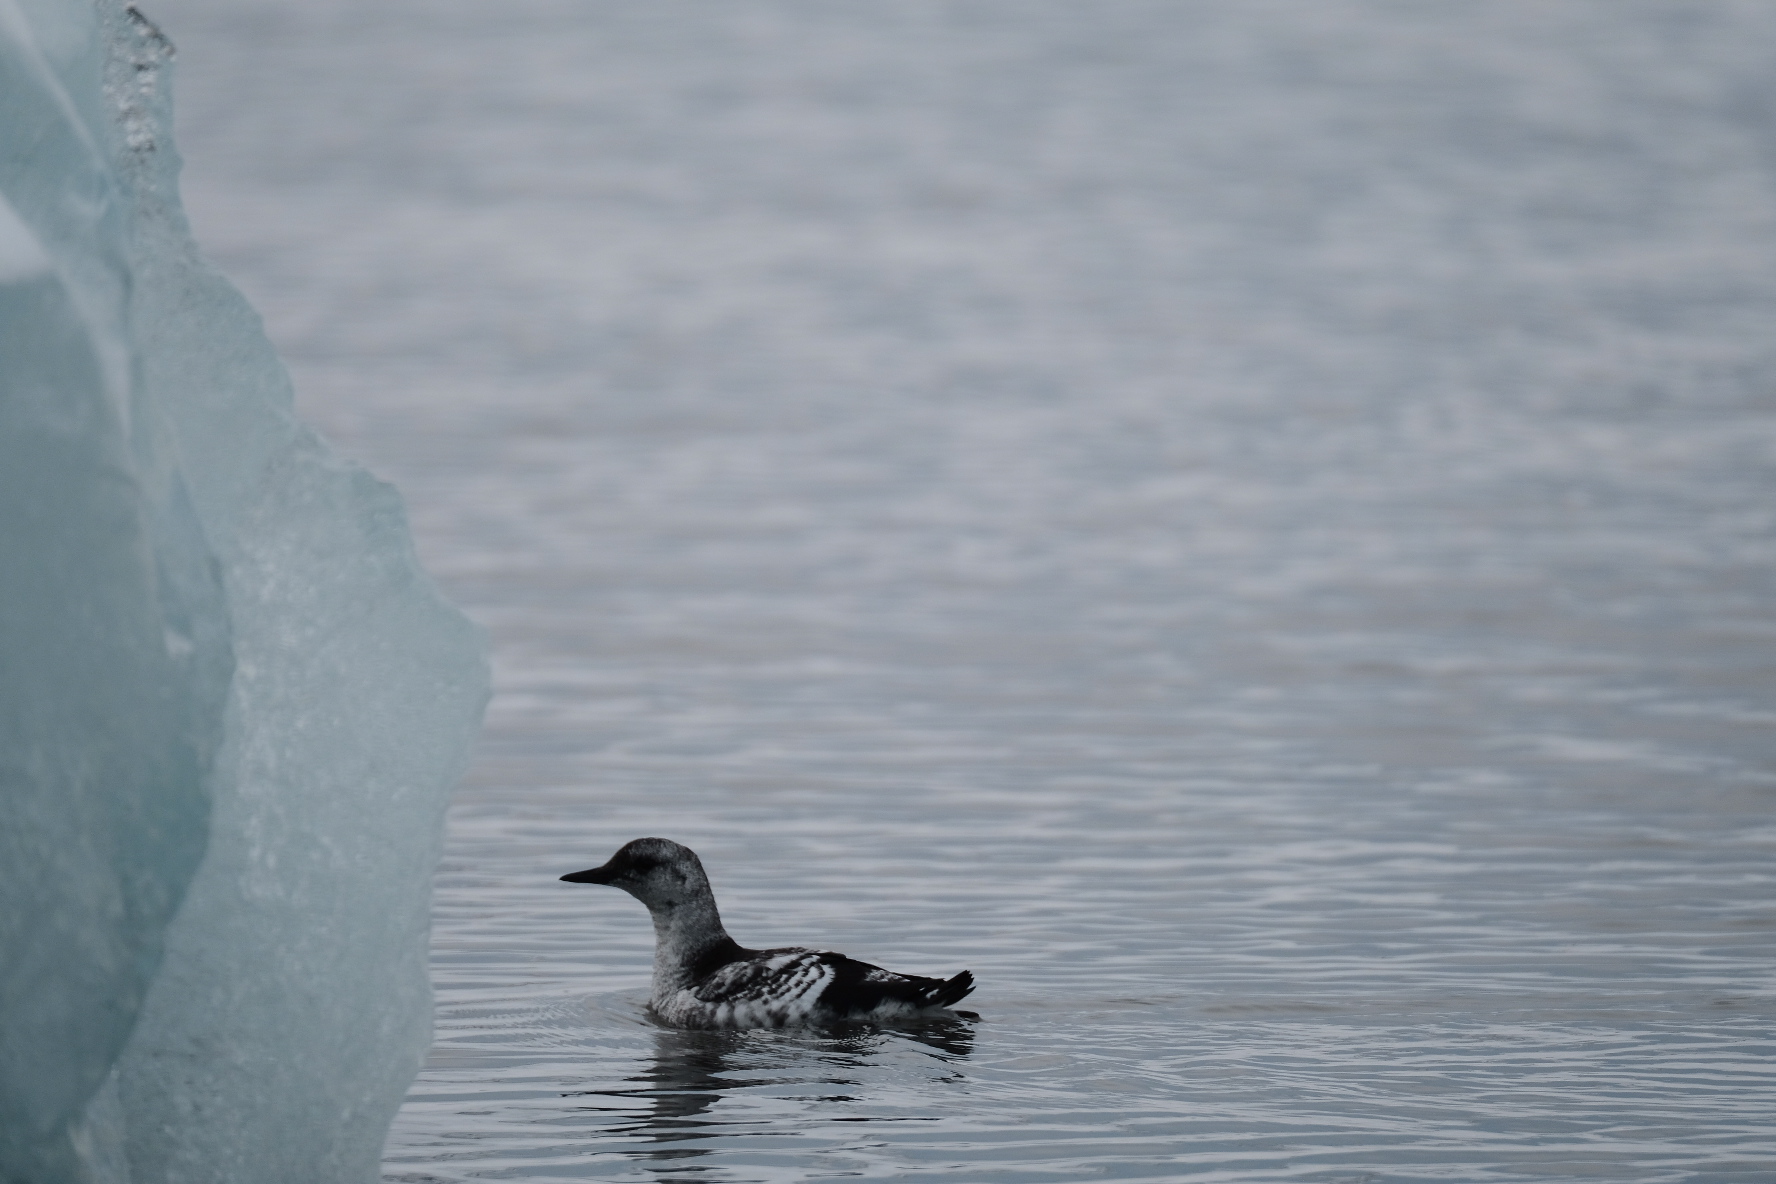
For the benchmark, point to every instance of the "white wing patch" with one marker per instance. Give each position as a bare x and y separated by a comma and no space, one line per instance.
769,992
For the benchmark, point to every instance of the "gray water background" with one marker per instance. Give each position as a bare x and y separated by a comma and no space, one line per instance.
1248,525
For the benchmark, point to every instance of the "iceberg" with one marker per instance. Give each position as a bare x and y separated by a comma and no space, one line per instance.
232,705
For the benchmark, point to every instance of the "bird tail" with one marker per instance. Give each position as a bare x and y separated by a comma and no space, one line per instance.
948,991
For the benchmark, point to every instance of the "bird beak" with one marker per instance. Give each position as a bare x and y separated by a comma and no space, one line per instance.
595,875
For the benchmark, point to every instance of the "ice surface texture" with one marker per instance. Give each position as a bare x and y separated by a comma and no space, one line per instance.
231,703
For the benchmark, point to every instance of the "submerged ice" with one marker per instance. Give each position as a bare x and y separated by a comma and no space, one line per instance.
231,703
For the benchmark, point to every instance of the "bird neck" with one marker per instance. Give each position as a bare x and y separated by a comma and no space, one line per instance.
686,933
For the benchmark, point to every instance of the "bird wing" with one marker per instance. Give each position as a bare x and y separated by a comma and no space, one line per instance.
793,982
782,977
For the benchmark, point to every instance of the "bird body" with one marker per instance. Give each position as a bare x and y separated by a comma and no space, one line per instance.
705,979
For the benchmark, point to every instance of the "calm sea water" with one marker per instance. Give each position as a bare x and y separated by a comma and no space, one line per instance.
1249,526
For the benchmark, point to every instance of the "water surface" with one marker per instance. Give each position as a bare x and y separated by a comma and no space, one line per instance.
1247,526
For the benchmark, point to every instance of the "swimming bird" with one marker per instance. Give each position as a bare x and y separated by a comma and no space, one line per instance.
705,979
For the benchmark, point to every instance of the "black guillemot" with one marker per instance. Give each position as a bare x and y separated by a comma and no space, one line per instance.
704,979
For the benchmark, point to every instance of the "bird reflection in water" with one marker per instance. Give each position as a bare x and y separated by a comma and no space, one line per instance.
693,1070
